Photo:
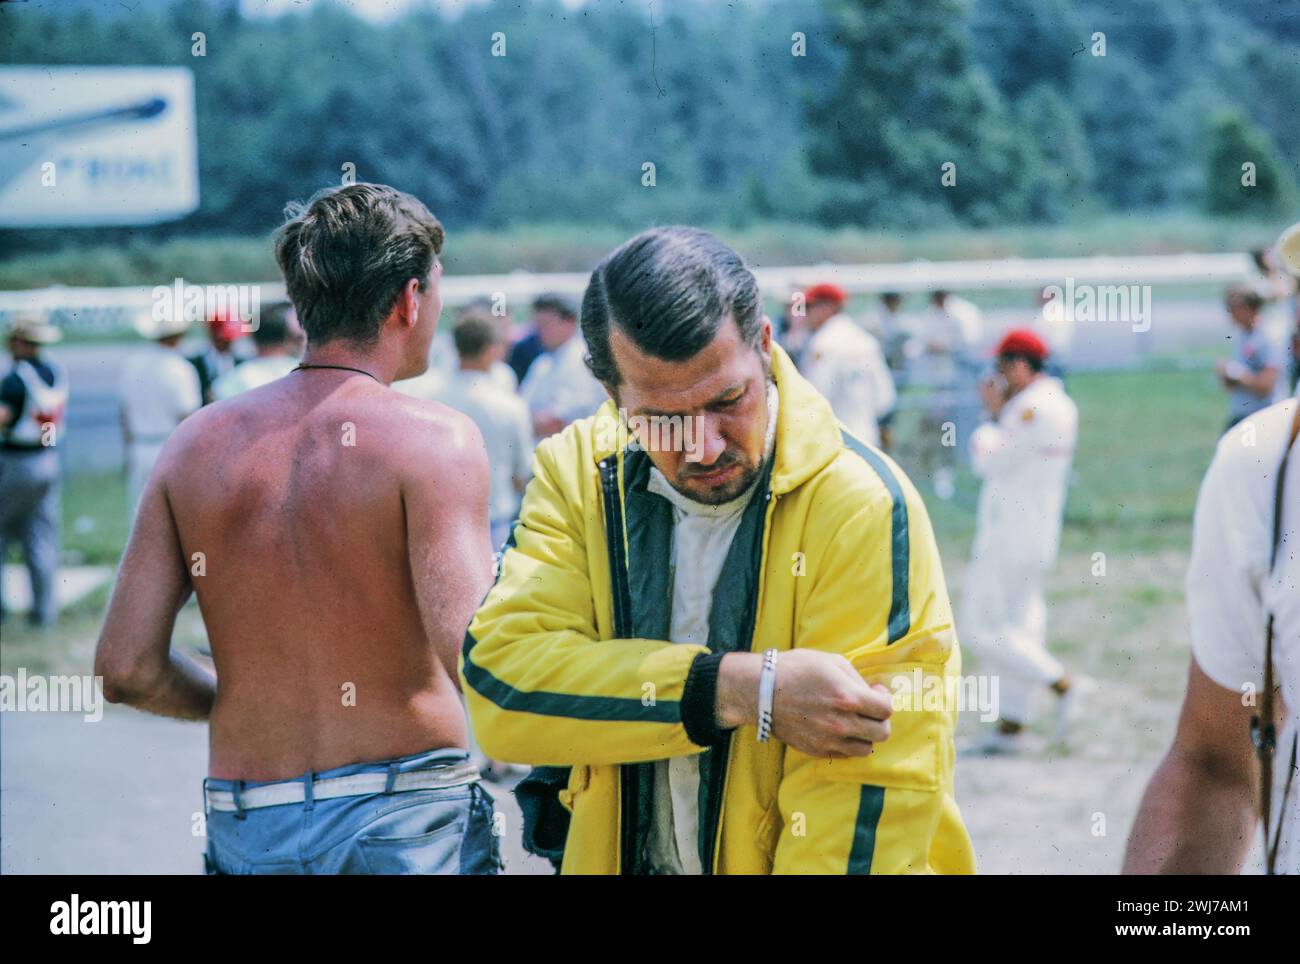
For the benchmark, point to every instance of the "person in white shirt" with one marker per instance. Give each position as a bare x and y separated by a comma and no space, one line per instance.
846,364
278,340
559,388
952,332
432,385
501,416
157,390
1023,454
1199,813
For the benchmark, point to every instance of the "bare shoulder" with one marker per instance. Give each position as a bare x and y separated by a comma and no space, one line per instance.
197,439
433,440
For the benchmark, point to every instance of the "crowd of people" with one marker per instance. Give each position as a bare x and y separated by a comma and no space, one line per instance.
652,344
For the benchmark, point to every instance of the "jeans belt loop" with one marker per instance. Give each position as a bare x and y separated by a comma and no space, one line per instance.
392,779
308,797
238,786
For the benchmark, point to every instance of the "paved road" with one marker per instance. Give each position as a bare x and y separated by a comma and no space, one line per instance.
122,796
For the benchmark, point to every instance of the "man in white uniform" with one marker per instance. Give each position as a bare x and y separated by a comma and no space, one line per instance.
499,413
1199,814
846,364
1023,454
158,389
559,387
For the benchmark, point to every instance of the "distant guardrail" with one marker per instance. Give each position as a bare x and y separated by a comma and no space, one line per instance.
107,310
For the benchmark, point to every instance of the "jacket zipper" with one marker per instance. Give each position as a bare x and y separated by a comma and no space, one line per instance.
722,765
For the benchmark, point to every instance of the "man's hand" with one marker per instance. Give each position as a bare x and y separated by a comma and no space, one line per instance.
822,705
993,393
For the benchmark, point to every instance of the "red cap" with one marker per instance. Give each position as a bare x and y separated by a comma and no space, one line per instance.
1022,341
825,292
226,324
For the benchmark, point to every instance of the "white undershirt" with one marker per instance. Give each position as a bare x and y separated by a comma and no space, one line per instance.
702,536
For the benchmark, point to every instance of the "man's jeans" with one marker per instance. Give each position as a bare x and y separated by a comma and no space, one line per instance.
446,830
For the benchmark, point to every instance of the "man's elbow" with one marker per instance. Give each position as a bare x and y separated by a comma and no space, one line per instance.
123,679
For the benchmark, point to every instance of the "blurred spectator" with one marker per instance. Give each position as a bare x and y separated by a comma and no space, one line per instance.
1023,454
1286,256
1278,289
527,349
892,333
1253,375
791,327
33,398
846,364
499,413
559,387
443,359
947,362
159,388
220,356
278,341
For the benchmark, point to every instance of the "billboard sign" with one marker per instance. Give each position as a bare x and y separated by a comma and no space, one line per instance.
90,146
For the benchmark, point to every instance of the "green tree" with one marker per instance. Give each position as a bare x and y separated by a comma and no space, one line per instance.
909,101
1244,175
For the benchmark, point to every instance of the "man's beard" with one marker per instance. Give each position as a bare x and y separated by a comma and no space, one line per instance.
732,488
719,494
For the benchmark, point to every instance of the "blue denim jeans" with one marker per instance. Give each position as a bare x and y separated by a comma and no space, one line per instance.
441,831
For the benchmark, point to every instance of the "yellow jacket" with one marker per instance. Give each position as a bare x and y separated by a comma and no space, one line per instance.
565,662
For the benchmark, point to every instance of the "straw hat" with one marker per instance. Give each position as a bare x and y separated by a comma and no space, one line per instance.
147,326
34,326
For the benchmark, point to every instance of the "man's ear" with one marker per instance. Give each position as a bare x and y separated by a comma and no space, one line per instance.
765,339
410,303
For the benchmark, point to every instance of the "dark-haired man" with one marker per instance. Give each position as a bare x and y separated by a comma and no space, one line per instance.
558,387
335,533
33,399
703,622
277,340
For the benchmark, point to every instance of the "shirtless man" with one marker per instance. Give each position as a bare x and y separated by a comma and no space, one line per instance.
335,533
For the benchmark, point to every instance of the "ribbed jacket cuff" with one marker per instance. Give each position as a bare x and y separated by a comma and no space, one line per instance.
699,701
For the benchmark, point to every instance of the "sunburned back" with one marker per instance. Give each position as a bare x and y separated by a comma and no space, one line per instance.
289,503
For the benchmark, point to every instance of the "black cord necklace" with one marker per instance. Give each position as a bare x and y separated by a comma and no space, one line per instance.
341,368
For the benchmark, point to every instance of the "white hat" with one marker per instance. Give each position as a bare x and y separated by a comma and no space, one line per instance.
34,326
1288,249
147,326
